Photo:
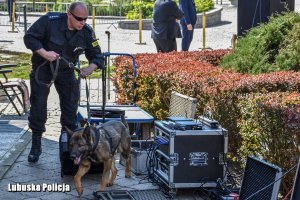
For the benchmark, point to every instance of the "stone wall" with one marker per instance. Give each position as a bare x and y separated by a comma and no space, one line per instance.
134,24
213,17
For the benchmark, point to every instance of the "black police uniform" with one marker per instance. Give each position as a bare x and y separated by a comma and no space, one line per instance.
51,33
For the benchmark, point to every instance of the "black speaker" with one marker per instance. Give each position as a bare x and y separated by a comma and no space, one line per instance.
296,188
260,181
253,12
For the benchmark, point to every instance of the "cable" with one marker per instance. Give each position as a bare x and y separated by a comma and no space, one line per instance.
271,183
258,1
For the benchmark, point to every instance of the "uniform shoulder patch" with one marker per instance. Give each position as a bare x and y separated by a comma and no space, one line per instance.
95,43
54,15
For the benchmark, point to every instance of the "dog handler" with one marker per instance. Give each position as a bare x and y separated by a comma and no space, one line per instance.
52,36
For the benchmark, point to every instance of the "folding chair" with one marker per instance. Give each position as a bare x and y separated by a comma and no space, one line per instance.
13,89
182,106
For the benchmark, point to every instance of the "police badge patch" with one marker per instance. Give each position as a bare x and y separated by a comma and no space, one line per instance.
95,43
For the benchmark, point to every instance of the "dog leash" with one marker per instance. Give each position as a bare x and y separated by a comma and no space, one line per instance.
54,71
87,103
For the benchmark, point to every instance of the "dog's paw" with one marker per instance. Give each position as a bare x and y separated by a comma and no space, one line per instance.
79,191
109,184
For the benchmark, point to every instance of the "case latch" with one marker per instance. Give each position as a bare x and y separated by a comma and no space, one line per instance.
174,159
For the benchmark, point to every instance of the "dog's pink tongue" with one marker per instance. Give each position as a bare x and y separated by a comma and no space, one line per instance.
77,160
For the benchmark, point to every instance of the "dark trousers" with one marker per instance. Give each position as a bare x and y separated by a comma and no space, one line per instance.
187,37
9,8
165,45
68,91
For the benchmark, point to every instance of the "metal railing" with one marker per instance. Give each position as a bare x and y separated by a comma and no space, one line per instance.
221,2
103,9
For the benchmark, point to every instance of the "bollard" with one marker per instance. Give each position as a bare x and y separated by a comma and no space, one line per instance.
140,27
54,7
25,18
233,41
93,18
46,9
204,33
204,30
33,5
13,14
108,64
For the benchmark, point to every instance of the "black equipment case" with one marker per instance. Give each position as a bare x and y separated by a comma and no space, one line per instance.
190,154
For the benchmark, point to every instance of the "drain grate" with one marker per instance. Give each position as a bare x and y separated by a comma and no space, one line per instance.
130,195
148,194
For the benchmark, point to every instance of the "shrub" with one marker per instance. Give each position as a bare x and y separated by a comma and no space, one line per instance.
257,51
204,5
147,8
269,127
289,53
159,74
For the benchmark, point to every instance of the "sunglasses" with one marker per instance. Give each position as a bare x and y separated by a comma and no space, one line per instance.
78,18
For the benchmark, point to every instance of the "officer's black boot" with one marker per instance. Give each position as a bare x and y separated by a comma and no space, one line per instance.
36,148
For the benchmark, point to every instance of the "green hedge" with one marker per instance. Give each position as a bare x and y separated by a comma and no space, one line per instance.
269,128
147,8
270,47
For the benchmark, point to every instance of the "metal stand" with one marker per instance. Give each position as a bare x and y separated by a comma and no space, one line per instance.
108,64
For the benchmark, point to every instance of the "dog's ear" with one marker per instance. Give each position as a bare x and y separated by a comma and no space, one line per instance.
87,132
82,122
69,132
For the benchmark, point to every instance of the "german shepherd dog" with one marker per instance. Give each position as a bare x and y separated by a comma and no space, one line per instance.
84,149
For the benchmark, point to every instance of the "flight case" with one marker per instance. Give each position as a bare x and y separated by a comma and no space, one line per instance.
190,157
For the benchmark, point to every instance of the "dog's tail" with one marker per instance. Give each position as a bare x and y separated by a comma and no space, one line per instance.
123,120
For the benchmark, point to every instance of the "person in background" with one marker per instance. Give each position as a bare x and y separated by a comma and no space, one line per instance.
53,37
9,8
187,22
165,28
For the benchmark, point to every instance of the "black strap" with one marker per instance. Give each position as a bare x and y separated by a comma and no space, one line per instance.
97,138
54,72
87,102
107,137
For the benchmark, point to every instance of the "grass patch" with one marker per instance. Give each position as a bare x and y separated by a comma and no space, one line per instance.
21,59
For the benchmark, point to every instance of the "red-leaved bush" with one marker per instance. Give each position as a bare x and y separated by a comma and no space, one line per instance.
217,90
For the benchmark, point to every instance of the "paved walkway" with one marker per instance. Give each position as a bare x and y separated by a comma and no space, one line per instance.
47,170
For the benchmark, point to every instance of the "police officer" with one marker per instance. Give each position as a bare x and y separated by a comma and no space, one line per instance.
52,36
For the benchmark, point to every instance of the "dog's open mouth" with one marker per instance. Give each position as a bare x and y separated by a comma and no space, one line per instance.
77,160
